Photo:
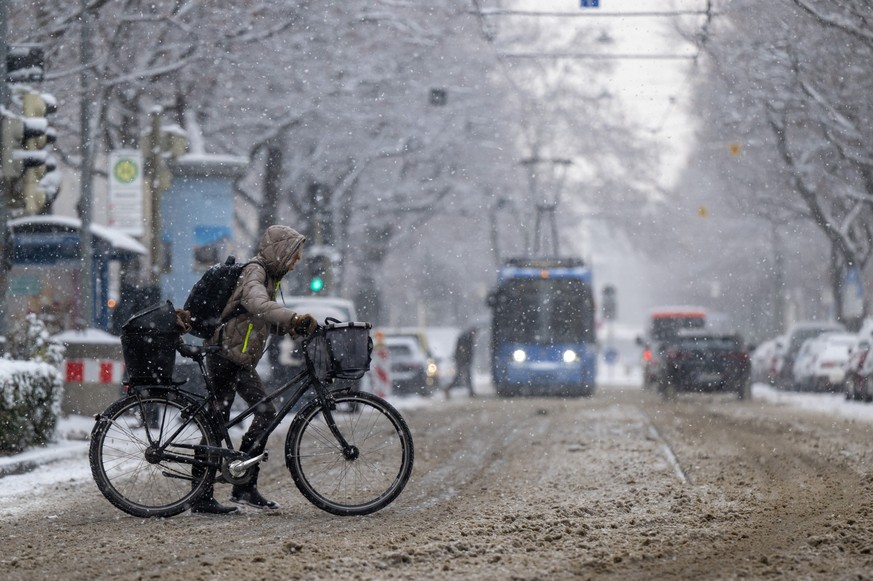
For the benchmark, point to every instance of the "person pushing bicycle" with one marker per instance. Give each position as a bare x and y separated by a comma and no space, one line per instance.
242,339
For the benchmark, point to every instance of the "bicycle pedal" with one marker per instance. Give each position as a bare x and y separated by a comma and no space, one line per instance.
238,467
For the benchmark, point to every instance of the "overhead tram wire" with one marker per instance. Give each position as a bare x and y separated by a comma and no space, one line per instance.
708,13
596,56
498,12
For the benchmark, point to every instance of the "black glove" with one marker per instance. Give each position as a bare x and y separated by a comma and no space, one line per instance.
303,325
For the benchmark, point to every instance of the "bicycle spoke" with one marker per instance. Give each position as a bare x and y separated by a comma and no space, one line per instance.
374,471
125,454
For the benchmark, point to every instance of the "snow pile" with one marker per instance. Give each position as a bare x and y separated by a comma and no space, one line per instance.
30,403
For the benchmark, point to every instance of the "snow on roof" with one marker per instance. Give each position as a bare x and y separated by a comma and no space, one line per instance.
213,158
86,336
210,165
116,238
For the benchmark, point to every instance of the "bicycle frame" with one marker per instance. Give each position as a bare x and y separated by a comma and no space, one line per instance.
298,385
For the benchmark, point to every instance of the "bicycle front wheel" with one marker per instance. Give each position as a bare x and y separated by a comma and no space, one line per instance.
363,478
144,456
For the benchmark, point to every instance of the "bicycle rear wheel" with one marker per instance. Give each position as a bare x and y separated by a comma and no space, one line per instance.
127,466
362,479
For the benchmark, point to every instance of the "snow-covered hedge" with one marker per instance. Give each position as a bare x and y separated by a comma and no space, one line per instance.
31,387
30,403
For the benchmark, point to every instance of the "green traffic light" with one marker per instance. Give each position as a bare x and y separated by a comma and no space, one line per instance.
316,284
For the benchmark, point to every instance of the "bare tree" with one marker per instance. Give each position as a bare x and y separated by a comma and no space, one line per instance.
795,93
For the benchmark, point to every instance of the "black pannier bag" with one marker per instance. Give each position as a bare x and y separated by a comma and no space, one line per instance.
148,343
344,351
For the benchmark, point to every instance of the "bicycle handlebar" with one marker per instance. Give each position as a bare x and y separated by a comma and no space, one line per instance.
196,351
319,330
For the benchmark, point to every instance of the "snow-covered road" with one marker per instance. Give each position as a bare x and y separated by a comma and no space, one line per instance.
620,485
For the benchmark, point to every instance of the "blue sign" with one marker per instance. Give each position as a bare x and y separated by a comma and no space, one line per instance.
610,355
589,3
853,294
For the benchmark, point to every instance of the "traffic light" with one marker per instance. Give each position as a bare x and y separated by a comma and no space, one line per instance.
319,274
160,145
25,63
610,303
35,161
316,284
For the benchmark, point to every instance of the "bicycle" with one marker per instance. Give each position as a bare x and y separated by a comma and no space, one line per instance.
154,452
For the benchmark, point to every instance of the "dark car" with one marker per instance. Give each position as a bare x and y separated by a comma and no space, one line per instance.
705,362
653,363
413,371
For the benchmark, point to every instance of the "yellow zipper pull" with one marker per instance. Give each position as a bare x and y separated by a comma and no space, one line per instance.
246,342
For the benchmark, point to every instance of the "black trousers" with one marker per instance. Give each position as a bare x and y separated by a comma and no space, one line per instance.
228,379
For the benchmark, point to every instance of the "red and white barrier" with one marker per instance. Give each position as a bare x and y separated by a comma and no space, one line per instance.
381,367
93,371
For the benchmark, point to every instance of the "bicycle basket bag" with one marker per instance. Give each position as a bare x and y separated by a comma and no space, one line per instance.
209,296
343,353
148,344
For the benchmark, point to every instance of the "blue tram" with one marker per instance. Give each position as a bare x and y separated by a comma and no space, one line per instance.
543,339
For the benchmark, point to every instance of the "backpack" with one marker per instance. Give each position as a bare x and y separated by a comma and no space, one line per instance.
209,296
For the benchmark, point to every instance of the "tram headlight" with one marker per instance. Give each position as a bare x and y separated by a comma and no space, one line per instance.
570,356
519,356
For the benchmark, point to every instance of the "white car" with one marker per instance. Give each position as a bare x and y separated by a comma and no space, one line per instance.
821,362
284,356
767,359
794,339
441,342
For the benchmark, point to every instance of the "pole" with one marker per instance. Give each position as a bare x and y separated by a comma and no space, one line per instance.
87,163
546,203
5,187
778,282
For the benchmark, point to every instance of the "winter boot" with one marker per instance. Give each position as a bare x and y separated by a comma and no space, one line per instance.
211,506
248,493
207,504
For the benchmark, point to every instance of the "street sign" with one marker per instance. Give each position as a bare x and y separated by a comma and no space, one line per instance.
853,294
589,3
125,191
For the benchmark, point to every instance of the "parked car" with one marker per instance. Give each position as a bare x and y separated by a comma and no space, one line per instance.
441,342
699,361
767,359
820,364
794,338
412,370
653,363
857,374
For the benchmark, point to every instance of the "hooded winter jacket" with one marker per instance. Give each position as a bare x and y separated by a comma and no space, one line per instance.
244,337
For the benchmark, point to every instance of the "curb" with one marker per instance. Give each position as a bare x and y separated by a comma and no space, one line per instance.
33,459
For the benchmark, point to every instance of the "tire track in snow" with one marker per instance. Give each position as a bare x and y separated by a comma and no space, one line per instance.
669,454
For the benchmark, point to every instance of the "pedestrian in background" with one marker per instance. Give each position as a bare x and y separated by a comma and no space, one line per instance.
464,349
